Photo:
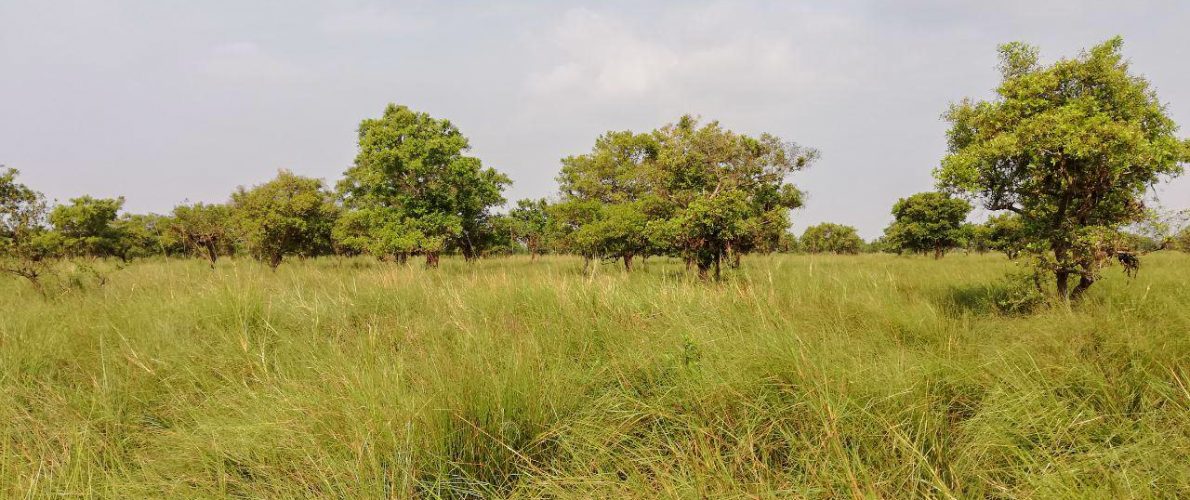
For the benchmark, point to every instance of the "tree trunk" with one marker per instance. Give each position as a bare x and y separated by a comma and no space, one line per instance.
938,252
212,254
718,260
1062,282
1084,283
432,260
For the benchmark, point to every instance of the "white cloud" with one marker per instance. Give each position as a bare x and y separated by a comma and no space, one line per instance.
712,48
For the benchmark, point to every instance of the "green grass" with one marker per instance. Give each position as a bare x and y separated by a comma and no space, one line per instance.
809,376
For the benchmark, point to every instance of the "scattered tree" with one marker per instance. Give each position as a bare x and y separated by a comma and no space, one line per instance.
289,215
828,237
204,229
530,224
1006,234
417,189
927,222
23,248
1070,147
87,226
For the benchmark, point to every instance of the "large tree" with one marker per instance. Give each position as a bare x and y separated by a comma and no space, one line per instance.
1071,147
87,226
927,222
289,215
416,185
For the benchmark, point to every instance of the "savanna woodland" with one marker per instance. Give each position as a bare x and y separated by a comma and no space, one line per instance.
652,330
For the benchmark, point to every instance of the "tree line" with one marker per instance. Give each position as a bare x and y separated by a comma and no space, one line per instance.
1063,155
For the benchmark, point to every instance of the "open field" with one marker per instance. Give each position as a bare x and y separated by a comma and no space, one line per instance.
815,376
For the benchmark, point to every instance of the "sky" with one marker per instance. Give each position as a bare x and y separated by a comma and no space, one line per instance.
167,101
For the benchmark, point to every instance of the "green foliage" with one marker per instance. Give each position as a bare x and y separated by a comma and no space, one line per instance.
702,192
411,176
529,224
25,244
975,237
87,226
927,222
144,235
205,229
1070,147
289,215
828,237
1006,233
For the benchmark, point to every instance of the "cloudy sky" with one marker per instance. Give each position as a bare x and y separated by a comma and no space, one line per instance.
169,101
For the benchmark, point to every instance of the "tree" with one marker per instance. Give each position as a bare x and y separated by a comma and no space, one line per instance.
601,194
204,228
87,226
928,222
831,238
1070,147
1006,234
144,235
975,237
289,215
529,224
23,248
411,176
716,190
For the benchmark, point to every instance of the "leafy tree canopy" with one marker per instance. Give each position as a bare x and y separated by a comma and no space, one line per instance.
411,175
87,226
828,237
1070,147
289,215
927,222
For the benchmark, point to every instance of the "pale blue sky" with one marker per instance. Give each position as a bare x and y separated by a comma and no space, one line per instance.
163,101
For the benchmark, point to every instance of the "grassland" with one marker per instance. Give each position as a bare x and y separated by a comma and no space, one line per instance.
805,376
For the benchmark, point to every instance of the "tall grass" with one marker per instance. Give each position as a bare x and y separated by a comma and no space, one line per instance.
797,376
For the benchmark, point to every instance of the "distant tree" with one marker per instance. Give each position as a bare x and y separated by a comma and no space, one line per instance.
1006,234
87,226
1160,227
831,238
975,237
23,248
411,177
289,215
498,236
927,222
530,224
204,229
144,235
1070,147
789,243
565,219
1181,240
618,231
